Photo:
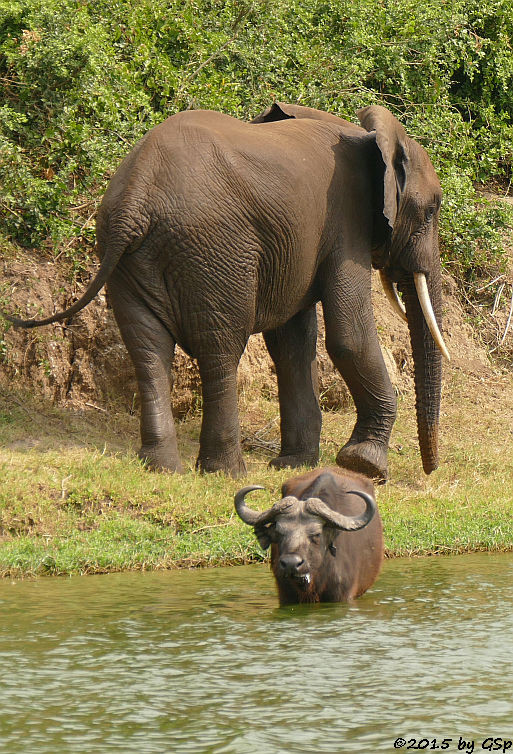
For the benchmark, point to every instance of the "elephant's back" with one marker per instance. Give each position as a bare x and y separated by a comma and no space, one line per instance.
196,138
191,130
203,152
220,205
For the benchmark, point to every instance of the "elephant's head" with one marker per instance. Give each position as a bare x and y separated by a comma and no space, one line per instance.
407,254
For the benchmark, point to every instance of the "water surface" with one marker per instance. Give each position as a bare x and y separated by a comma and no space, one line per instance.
205,661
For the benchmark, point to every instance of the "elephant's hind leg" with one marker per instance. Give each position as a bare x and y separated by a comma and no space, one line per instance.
151,349
293,349
220,448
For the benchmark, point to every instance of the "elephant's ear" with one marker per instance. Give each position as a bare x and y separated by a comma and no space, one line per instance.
392,140
277,111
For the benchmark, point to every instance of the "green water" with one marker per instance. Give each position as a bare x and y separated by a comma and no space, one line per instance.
205,661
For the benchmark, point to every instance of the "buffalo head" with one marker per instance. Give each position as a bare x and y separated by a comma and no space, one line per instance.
305,557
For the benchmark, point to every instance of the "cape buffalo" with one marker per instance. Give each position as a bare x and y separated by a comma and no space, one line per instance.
326,544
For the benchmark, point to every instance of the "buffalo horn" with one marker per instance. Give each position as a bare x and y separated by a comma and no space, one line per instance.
248,515
338,520
255,518
429,315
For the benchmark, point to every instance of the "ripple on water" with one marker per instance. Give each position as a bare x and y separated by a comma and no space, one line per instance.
205,661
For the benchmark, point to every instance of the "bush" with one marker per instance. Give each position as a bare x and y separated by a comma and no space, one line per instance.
82,81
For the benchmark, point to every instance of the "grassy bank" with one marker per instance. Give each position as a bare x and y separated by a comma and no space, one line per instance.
74,499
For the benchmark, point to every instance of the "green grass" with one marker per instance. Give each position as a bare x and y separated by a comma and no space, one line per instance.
75,499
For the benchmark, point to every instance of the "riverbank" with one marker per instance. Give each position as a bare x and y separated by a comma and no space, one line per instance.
75,500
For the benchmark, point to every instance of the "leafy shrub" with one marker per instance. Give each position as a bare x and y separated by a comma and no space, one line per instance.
82,81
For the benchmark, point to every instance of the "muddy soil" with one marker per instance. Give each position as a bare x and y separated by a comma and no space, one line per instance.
83,363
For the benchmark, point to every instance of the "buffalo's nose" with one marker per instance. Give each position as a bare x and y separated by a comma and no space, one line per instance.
291,562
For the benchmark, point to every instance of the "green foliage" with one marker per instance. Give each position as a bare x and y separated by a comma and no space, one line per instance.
82,81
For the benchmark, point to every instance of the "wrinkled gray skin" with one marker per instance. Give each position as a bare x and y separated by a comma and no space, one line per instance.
213,229
314,559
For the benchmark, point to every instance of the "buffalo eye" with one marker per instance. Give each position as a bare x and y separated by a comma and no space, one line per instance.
266,531
315,538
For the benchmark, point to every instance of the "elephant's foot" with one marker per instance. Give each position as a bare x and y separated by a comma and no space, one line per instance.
294,461
233,465
161,457
368,458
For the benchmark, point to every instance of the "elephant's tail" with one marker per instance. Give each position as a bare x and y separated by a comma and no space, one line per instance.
107,266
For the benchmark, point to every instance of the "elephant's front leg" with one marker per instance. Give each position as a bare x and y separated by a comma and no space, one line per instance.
293,349
220,448
352,344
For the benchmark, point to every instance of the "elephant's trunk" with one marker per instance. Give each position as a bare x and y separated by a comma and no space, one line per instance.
428,365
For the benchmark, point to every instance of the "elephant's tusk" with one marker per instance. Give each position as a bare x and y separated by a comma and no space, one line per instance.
429,315
392,295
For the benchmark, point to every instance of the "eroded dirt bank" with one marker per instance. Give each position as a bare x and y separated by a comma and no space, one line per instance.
83,363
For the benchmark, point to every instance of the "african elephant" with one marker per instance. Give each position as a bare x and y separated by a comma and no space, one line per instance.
213,229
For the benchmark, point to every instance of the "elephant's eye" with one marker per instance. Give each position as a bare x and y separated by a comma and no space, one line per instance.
429,213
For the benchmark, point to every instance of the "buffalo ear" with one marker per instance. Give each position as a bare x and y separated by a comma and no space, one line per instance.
262,533
392,141
331,535
277,111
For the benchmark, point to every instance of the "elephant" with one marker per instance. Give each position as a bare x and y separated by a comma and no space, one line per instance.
213,229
